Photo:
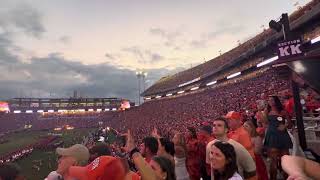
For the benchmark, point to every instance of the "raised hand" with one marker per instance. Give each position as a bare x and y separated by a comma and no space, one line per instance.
155,133
130,144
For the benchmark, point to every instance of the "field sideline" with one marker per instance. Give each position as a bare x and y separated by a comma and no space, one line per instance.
47,161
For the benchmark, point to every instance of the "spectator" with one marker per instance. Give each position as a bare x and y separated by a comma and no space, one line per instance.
166,149
238,133
246,164
98,150
163,168
103,167
204,137
277,139
300,168
258,147
149,148
130,175
289,104
76,155
223,161
9,171
193,160
180,157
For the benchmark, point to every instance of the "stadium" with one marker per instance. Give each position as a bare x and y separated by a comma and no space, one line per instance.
239,81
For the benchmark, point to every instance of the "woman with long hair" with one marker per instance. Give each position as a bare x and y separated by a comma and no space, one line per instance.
258,146
166,149
277,140
224,161
163,168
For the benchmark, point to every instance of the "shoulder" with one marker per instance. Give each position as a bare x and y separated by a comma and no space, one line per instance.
243,132
235,144
236,176
240,150
210,143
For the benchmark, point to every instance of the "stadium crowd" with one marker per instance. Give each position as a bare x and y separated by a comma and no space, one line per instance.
217,64
190,132
226,131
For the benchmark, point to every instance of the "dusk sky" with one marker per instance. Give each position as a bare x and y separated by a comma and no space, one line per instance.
95,46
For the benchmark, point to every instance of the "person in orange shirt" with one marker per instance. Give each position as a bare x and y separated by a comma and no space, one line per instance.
238,133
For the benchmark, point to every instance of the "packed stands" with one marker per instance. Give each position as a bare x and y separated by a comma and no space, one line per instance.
217,64
176,114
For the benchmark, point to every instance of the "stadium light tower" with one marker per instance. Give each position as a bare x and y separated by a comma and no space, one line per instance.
141,75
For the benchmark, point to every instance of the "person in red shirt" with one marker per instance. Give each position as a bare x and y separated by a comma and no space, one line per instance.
149,148
238,133
289,105
193,160
204,137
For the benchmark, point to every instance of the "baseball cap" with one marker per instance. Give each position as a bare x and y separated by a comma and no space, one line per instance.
232,115
78,151
103,167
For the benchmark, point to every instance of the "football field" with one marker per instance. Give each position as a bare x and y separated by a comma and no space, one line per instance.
40,162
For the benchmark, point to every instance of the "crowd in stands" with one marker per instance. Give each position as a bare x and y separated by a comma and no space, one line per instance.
55,115
185,137
174,114
218,63
222,132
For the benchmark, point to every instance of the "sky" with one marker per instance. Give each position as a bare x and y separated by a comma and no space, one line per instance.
51,48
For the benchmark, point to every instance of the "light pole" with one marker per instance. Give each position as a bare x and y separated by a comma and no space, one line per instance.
138,76
144,75
141,74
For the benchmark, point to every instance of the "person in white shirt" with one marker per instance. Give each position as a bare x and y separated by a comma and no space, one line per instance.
246,164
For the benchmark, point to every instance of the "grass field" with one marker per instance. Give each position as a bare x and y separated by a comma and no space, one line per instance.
47,161
19,140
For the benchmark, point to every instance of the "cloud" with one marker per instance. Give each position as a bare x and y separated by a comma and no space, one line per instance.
170,37
144,56
22,17
61,76
222,28
158,31
153,56
201,43
135,51
6,57
56,76
65,39
233,29
156,57
110,56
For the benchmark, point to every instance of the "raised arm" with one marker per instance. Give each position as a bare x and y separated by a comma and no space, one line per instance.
145,170
300,168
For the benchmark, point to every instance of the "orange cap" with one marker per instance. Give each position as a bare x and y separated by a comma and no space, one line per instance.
103,167
232,115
